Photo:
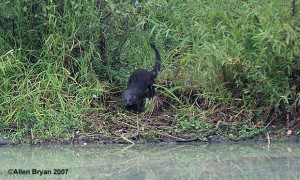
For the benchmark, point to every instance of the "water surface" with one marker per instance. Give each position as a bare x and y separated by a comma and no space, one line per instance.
124,162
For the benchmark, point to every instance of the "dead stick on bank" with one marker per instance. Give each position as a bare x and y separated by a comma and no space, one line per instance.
123,137
268,138
137,124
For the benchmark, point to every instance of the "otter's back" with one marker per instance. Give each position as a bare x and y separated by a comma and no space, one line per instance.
140,78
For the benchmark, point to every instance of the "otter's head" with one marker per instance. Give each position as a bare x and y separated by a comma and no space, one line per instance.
128,97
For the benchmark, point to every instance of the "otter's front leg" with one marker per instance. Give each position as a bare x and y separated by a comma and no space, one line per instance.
151,91
138,107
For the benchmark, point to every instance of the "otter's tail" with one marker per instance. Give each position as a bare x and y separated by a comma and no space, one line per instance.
156,67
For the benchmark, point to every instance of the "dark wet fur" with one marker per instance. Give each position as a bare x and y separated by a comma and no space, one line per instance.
140,85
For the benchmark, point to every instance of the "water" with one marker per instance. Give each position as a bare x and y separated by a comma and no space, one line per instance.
138,162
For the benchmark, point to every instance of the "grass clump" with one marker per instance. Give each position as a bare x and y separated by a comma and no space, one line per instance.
45,81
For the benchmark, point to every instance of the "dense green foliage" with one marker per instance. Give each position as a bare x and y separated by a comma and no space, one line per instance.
60,60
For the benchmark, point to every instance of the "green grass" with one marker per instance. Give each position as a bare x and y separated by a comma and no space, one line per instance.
234,62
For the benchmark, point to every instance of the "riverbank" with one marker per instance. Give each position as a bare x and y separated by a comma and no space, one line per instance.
161,123
229,70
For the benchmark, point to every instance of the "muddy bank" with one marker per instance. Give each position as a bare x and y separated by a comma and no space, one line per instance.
98,139
5,141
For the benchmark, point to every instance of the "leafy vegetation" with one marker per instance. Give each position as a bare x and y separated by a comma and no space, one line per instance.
230,69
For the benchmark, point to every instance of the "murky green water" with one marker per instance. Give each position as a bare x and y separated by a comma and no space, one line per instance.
205,161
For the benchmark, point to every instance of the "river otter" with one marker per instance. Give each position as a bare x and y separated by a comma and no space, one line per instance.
139,81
